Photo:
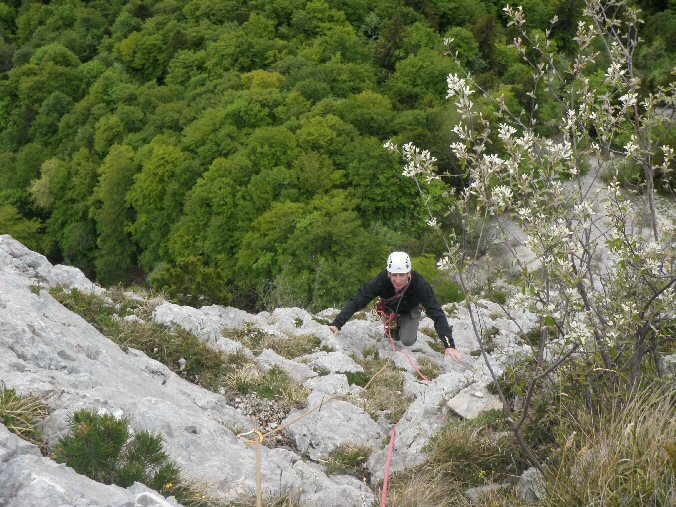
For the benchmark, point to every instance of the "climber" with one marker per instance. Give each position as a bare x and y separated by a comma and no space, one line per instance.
404,293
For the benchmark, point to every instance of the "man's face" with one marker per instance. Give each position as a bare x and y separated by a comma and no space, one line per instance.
399,280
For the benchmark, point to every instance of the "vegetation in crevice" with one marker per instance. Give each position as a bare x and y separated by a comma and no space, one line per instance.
184,353
21,414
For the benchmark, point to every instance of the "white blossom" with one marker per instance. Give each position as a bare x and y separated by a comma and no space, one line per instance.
584,209
516,16
631,148
505,132
457,86
525,214
459,150
614,72
445,263
559,150
579,331
628,100
502,196
390,146
418,161
525,142
520,301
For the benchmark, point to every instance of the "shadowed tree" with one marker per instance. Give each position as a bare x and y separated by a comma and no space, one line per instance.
115,253
157,196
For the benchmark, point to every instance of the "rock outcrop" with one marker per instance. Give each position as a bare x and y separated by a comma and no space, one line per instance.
51,352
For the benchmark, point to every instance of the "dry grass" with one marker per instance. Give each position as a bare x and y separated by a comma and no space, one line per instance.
288,500
474,453
464,454
384,392
21,415
424,486
429,367
257,340
628,458
428,486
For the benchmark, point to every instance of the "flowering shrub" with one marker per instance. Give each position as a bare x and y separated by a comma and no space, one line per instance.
601,285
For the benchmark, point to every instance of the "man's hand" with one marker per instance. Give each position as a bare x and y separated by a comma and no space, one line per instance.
450,351
334,329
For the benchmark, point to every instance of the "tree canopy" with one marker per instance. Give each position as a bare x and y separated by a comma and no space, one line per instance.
186,141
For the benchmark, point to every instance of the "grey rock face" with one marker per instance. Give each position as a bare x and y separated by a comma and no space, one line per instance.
531,485
669,364
474,495
204,324
472,401
334,384
336,422
424,418
269,358
47,350
334,362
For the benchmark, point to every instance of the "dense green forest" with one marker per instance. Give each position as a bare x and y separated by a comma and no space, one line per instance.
231,151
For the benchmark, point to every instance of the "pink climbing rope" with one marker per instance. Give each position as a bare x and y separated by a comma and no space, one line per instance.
383,497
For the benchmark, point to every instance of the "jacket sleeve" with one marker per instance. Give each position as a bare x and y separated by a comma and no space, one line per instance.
434,312
364,296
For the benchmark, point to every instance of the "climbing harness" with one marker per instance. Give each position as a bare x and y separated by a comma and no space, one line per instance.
389,319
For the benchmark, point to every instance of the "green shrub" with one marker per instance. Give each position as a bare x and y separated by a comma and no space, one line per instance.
21,414
99,447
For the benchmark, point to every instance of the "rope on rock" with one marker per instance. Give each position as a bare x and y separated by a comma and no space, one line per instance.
259,481
379,311
262,436
383,497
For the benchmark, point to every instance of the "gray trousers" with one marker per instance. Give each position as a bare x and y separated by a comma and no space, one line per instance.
408,326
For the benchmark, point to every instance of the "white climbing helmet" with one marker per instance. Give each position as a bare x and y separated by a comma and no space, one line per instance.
398,262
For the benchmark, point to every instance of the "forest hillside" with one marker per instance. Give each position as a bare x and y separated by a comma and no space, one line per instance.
231,151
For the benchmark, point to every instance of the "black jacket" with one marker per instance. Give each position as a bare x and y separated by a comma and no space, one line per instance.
418,292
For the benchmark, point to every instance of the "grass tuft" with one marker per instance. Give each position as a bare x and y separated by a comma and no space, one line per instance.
625,458
385,387
21,415
348,459
476,452
429,367
257,340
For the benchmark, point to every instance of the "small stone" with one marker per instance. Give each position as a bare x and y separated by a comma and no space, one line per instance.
479,394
